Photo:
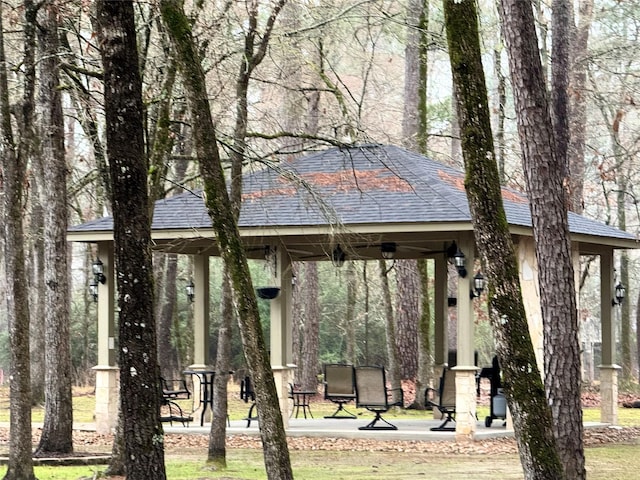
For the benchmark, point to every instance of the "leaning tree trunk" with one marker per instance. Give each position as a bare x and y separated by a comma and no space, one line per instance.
254,51
523,385
548,200
140,389
57,431
219,206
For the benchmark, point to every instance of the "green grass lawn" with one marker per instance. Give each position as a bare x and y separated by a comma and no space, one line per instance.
619,462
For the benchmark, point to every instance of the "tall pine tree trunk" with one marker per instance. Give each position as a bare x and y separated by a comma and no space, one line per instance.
407,315
523,384
140,389
57,431
544,174
393,356
13,158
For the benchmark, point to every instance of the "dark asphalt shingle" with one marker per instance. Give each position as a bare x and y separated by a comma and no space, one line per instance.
365,184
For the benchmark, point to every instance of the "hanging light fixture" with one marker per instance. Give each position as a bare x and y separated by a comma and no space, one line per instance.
620,293
190,290
478,285
388,250
338,257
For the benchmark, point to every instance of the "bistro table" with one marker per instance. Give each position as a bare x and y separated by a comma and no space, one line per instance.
301,400
205,378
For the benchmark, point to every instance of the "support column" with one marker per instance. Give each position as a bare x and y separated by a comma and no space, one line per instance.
200,313
441,320
107,373
281,327
528,268
465,370
441,311
608,368
200,304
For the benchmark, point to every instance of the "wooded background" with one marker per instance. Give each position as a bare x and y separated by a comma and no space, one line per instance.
334,71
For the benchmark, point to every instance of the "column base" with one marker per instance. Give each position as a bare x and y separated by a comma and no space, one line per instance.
609,393
283,376
107,389
465,402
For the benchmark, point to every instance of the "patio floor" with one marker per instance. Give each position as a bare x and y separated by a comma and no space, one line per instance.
408,429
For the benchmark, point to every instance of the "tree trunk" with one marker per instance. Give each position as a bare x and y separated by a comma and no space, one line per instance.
414,115
20,464
407,316
217,453
544,173
425,352
578,119
57,431
307,375
35,262
168,358
139,372
523,384
562,38
393,356
350,316
219,206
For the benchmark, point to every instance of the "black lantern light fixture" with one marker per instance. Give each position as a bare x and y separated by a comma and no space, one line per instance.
388,250
478,285
619,294
93,290
97,269
459,263
338,257
190,290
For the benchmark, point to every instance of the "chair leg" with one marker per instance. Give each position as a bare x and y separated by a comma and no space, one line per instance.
449,417
250,415
347,413
372,425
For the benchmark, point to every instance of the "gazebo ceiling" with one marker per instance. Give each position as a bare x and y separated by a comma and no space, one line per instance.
356,197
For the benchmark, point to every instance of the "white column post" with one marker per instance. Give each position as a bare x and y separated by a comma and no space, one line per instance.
465,370
608,368
281,327
200,312
107,378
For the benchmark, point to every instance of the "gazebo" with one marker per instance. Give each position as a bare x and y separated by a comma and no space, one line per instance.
358,203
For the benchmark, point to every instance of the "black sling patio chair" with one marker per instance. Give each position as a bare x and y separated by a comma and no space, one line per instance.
172,391
247,394
372,393
444,399
339,387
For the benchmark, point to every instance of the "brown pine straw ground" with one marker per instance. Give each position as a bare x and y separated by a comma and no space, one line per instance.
90,443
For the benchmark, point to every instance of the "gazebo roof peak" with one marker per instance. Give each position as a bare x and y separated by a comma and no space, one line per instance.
369,190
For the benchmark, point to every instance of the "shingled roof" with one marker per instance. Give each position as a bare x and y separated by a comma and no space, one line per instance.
346,189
